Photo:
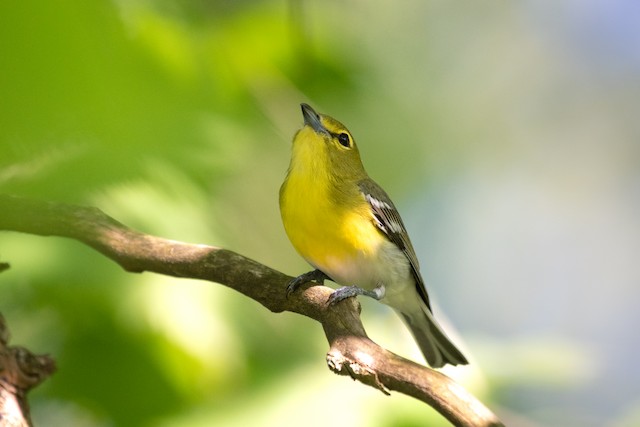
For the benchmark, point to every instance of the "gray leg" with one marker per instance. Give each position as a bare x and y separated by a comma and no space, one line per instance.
345,292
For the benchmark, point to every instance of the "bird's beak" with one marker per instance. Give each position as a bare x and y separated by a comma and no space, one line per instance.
311,118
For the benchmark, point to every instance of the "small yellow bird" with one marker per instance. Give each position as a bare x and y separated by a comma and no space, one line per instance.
348,229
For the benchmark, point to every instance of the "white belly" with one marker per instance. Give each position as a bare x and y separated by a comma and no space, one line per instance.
388,267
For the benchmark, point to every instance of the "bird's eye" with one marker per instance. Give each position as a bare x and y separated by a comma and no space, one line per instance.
343,139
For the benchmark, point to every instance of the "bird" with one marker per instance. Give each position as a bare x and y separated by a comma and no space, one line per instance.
346,226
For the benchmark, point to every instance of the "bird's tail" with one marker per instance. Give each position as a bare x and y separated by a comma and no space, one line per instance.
437,348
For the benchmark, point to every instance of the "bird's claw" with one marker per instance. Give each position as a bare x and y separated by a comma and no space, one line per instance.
316,276
352,291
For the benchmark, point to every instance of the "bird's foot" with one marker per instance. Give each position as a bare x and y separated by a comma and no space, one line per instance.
345,292
316,276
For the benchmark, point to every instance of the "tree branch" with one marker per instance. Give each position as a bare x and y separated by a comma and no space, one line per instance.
351,352
20,371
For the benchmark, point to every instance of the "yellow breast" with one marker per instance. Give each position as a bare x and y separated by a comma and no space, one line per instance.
328,236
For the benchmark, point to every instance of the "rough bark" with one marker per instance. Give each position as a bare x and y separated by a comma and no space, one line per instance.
20,371
351,352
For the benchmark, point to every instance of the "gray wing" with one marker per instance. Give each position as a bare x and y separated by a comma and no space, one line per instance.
387,219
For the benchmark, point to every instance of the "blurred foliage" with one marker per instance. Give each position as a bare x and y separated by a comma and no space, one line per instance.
175,117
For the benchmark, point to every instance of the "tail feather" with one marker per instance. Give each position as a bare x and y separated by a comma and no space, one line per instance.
437,348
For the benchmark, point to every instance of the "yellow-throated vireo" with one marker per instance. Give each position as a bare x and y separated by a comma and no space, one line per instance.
348,229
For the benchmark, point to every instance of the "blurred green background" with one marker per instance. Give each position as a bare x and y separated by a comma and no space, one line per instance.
507,133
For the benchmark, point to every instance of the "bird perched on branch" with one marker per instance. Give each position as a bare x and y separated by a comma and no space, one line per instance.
348,229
